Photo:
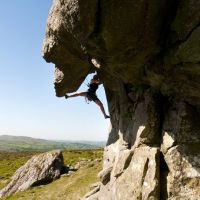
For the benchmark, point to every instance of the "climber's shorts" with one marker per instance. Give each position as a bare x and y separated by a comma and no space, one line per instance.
92,96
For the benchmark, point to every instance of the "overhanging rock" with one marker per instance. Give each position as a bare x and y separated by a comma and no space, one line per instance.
149,55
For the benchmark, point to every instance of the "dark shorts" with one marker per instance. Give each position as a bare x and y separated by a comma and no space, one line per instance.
92,96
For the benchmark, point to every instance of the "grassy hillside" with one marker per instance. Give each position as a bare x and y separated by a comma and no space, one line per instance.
68,187
20,143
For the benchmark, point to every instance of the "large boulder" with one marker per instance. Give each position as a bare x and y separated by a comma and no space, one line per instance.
40,169
149,62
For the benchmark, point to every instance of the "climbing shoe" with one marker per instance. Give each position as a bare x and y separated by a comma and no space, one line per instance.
106,116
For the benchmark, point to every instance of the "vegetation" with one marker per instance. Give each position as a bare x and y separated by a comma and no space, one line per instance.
10,162
71,157
70,187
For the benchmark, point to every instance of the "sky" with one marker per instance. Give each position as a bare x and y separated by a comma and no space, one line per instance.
28,105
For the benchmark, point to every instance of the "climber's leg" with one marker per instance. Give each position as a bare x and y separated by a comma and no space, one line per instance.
82,94
99,103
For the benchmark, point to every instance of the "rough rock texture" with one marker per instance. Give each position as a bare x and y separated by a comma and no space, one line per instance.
40,169
147,55
180,147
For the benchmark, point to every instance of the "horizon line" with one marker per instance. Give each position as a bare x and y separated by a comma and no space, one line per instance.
68,140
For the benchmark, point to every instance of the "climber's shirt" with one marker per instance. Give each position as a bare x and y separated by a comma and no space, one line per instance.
91,93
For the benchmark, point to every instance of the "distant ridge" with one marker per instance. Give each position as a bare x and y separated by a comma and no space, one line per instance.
23,143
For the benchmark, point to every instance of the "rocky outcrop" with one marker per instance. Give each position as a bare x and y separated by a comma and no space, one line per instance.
40,169
180,147
147,55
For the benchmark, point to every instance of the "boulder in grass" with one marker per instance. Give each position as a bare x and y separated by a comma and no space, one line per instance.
40,169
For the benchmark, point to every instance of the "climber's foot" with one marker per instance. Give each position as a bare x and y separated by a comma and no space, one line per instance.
106,116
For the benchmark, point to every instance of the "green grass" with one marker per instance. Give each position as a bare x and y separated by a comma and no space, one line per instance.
73,156
70,187
10,162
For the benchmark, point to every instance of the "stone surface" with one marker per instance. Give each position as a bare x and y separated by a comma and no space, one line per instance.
105,174
77,32
147,55
187,18
180,147
183,179
138,181
94,189
40,169
65,40
182,123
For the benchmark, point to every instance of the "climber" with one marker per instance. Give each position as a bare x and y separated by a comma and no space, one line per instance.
91,94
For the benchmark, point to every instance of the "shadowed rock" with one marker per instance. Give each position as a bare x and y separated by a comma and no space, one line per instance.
40,169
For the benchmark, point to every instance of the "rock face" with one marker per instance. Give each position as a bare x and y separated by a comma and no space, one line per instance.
148,56
40,169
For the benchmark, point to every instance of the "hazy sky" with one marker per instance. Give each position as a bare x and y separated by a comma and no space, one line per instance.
28,105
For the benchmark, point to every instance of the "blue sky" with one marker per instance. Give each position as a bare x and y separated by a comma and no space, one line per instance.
28,105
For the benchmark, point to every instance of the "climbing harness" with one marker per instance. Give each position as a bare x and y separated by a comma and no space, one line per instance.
86,98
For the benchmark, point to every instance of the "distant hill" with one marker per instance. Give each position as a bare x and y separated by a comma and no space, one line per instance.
21,143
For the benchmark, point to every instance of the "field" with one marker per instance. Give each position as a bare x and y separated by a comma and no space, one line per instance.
10,143
71,187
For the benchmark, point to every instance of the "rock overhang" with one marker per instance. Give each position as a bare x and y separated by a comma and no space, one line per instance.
150,69
124,36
